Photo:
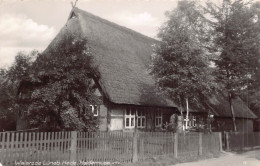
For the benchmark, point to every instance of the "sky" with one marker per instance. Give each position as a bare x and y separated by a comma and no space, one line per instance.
32,24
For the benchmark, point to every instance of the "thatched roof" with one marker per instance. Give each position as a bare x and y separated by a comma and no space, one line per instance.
123,57
220,107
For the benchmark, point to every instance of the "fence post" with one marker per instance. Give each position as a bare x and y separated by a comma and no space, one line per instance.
227,141
135,156
220,142
175,145
200,143
73,147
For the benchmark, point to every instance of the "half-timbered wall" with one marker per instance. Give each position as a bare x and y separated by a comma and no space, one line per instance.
116,118
103,118
130,118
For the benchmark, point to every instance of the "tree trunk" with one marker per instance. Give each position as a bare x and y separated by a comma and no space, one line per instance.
232,113
182,119
187,114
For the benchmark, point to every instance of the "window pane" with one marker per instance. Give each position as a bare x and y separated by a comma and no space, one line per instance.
132,122
90,107
95,110
127,122
139,122
143,121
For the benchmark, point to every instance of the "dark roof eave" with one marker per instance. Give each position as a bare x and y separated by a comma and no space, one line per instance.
143,105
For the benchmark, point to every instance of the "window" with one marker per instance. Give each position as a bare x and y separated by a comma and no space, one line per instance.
130,118
140,119
134,117
191,121
25,113
94,109
158,119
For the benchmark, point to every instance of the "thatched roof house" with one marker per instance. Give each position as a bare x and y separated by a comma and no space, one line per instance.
123,56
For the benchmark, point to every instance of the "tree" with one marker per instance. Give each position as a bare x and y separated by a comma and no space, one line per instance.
180,61
9,82
7,114
62,79
55,87
236,42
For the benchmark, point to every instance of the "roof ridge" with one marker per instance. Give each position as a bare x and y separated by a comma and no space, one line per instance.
112,24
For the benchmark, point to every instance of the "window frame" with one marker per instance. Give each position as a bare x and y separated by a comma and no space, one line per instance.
158,118
140,115
93,109
191,121
25,113
129,117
